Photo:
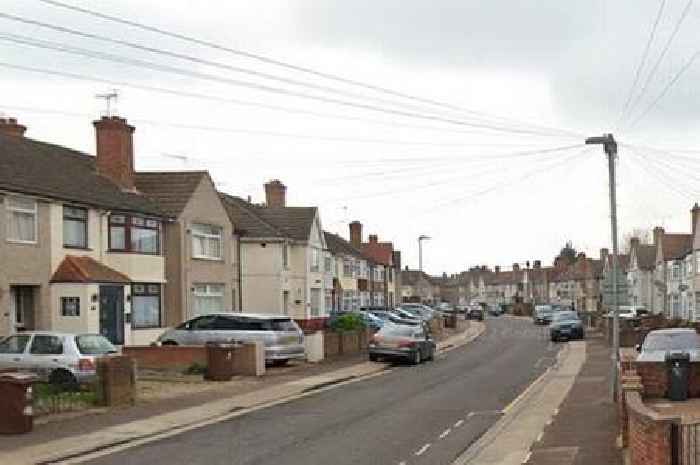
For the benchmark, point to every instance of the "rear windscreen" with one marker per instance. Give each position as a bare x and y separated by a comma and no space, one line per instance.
93,344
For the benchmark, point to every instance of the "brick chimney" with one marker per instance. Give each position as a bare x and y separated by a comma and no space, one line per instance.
115,150
373,239
497,269
537,264
604,255
356,234
396,258
516,267
10,127
694,214
658,234
634,243
275,194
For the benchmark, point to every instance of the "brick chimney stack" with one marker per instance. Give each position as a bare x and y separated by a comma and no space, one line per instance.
634,243
694,215
516,267
10,127
275,194
115,150
604,255
537,264
497,269
356,234
658,234
373,239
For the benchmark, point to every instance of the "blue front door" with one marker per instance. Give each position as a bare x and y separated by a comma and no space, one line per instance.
112,313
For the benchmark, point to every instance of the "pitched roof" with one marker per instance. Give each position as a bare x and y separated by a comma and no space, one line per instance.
676,246
80,269
171,189
338,245
646,256
411,277
256,221
379,252
37,168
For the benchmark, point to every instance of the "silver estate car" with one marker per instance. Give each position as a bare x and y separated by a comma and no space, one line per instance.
283,338
59,358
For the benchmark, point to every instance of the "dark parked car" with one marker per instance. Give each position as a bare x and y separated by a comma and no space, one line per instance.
408,343
566,325
475,313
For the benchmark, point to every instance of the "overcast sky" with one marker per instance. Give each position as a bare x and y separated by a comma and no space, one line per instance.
484,196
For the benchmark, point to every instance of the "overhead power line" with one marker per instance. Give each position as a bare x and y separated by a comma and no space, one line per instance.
350,104
290,66
263,132
665,50
642,62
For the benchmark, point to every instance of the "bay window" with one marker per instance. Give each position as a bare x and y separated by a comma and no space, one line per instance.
134,234
75,227
207,242
145,305
21,219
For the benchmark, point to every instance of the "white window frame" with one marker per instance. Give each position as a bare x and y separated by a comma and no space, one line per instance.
315,260
208,294
208,236
11,209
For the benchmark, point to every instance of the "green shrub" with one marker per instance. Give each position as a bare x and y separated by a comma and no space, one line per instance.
196,369
348,322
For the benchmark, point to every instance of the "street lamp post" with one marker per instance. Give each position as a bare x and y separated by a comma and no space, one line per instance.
421,238
610,147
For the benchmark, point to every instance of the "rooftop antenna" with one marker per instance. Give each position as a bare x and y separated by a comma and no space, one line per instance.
108,98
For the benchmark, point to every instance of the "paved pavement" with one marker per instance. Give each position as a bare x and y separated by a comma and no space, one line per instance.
585,429
426,414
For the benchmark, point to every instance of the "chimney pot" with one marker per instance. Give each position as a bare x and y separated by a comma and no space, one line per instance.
275,194
115,151
356,234
10,127
373,238
694,216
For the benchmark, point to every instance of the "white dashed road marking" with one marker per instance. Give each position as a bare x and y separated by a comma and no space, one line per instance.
445,433
471,414
422,450
459,423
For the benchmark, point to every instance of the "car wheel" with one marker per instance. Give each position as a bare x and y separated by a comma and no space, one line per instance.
431,357
64,380
416,359
168,343
373,357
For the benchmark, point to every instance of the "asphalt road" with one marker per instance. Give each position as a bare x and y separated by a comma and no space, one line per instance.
426,414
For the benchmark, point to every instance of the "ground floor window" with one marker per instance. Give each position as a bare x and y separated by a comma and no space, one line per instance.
70,306
348,300
315,302
208,298
329,300
145,305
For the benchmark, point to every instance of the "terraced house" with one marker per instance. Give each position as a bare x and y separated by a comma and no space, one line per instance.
81,249
285,266
672,276
348,261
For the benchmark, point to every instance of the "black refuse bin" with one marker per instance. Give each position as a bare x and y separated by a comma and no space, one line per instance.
678,367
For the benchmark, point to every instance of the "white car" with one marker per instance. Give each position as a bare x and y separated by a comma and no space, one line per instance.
629,311
660,342
59,358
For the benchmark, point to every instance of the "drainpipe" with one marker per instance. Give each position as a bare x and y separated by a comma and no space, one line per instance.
240,272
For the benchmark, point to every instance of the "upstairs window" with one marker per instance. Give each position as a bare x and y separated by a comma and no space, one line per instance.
315,260
207,242
21,219
327,264
75,227
348,267
134,234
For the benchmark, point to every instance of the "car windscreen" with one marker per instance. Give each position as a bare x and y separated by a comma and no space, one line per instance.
544,310
14,344
564,316
94,344
672,341
397,331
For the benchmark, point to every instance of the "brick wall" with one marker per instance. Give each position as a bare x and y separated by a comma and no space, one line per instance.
655,378
166,357
649,433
